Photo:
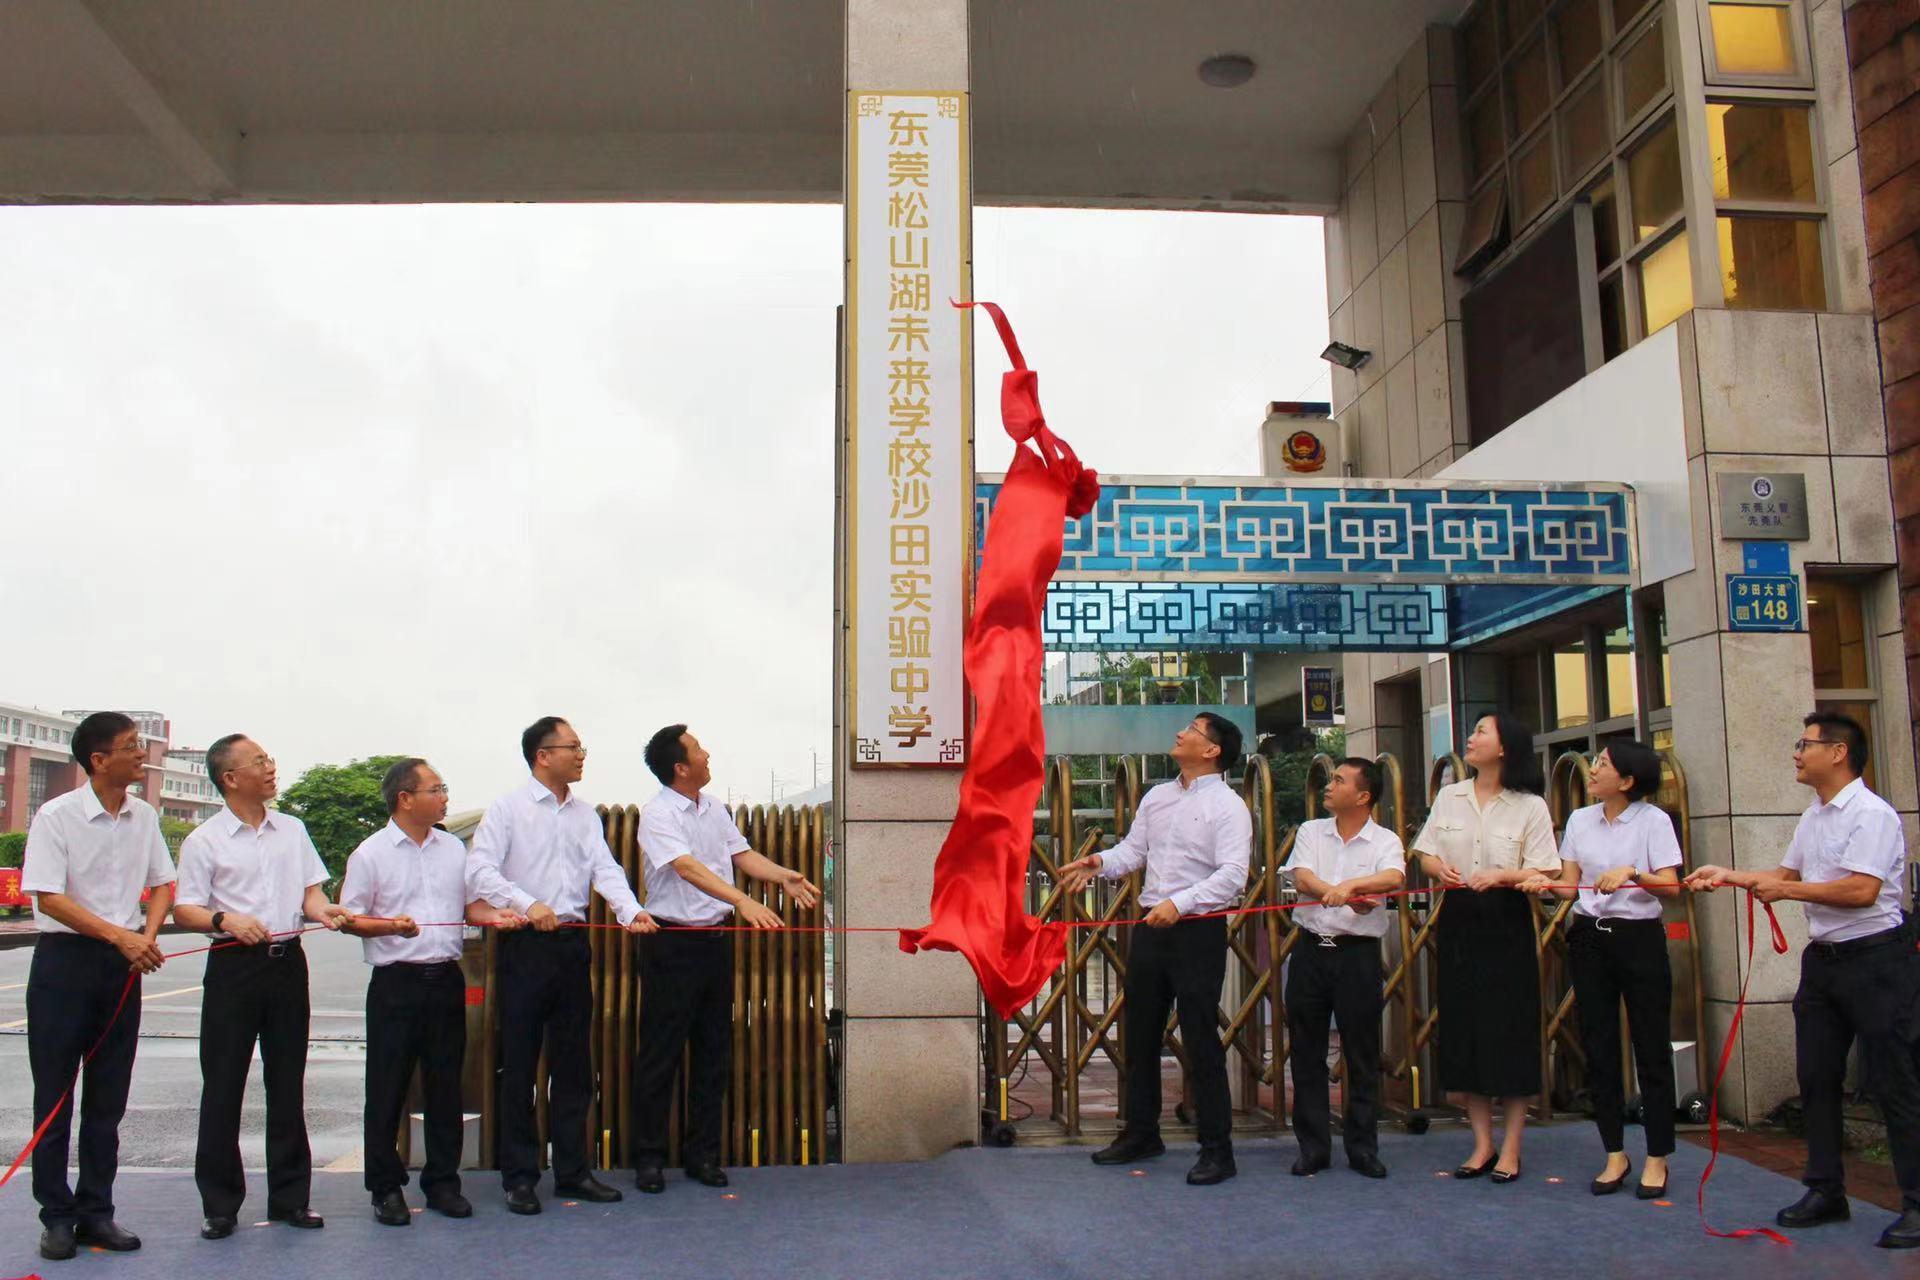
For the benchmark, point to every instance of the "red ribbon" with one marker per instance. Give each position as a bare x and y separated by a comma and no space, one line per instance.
1726,1056
980,875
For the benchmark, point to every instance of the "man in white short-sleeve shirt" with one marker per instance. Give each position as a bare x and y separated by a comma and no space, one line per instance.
251,877
409,885
1335,971
692,849
91,853
1859,976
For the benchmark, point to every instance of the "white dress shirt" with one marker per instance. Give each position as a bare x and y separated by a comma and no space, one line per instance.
671,828
532,847
226,865
103,861
1317,846
1512,832
1641,837
1195,842
389,875
1855,831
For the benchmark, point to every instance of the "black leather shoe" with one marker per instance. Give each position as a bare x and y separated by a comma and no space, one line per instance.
390,1210
649,1177
106,1234
1126,1150
1367,1166
1211,1167
450,1204
1502,1177
216,1228
56,1242
1607,1186
588,1188
522,1200
1478,1170
708,1175
1904,1233
1814,1208
1650,1191
1306,1168
303,1218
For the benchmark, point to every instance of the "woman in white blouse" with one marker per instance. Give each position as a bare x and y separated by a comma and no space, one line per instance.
1617,951
1485,837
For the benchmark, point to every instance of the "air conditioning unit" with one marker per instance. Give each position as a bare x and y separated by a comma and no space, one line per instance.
1302,438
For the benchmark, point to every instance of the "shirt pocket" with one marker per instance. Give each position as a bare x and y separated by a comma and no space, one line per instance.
1500,852
1452,841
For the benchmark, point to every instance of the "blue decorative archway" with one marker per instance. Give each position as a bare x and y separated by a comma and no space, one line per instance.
1262,563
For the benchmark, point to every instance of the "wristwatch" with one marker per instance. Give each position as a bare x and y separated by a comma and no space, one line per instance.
218,916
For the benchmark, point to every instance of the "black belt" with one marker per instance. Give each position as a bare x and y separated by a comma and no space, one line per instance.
1607,924
422,967
1885,938
282,947
1340,939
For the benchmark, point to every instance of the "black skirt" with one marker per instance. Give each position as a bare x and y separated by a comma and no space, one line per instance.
1489,1034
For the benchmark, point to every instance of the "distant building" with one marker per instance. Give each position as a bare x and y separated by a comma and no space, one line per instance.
37,764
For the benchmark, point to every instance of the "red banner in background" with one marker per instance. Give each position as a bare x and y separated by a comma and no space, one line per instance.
980,877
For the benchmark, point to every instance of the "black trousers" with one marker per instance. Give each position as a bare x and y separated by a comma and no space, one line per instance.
1625,961
1867,989
1180,966
416,1016
686,1003
72,988
546,996
253,996
1340,982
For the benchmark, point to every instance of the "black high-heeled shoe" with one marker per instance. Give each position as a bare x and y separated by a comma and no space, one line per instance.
1646,1192
1504,1178
1607,1186
1477,1170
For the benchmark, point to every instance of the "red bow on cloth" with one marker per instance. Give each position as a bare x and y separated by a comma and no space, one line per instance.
980,877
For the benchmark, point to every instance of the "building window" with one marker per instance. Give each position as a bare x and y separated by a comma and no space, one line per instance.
1551,90
1760,42
1841,640
1666,283
1766,193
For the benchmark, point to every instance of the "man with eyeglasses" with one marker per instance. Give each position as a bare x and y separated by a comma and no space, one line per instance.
1194,837
1859,975
540,852
91,852
408,885
251,877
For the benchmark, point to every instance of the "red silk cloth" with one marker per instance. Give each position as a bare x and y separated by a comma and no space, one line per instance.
980,877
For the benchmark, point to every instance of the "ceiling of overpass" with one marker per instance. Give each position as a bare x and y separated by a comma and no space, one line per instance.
1076,102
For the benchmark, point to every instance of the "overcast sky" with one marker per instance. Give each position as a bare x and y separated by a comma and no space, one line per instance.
376,480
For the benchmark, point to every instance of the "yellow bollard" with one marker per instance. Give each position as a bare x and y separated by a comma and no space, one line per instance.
1003,1099
606,1148
804,1154
756,1149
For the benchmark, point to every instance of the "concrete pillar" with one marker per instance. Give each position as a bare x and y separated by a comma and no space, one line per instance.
910,1082
13,812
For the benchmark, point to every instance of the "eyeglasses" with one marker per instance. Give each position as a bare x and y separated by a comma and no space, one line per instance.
1801,744
258,762
565,746
440,790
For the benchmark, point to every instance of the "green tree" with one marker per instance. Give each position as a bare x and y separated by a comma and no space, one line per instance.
13,848
1290,774
173,831
341,805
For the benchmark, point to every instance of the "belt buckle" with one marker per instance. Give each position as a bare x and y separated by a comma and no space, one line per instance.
277,949
1326,940
1604,924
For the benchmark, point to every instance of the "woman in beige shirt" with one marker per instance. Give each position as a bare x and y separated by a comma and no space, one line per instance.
1484,837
